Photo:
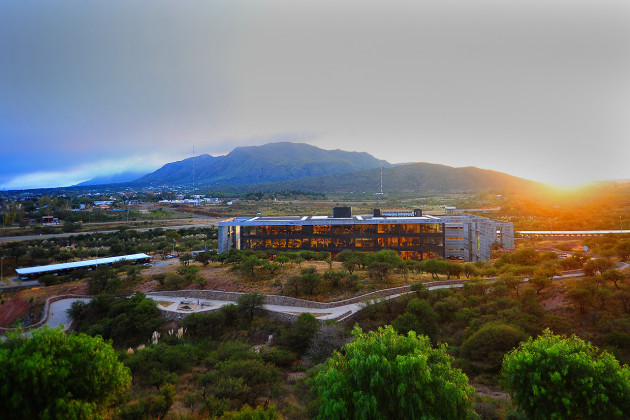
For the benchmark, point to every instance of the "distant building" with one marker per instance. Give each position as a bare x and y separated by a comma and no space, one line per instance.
49,219
411,234
31,273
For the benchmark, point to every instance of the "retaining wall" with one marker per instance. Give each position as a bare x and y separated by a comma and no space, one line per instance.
45,315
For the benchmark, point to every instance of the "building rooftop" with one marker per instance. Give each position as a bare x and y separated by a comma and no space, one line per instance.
78,264
356,219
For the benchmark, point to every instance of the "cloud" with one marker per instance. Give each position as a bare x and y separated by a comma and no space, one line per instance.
84,172
536,89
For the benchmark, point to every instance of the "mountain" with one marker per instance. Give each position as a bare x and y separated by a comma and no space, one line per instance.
411,177
112,179
267,163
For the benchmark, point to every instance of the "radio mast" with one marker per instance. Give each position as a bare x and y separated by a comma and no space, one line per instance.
381,178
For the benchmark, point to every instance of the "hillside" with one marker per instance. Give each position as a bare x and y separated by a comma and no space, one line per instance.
411,177
267,163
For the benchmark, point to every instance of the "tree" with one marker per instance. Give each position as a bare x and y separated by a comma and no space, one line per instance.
419,317
249,303
539,282
309,280
248,413
204,324
511,282
328,338
293,283
622,250
582,292
613,275
249,265
379,270
334,277
349,259
598,265
558,377
433,267
185,258
491,342
453,269
299,335
204,258
381,374
54,375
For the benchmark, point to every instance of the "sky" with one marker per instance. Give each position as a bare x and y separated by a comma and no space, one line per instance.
536,89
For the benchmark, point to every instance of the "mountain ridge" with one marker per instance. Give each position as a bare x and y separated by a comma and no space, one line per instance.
300,166
267,163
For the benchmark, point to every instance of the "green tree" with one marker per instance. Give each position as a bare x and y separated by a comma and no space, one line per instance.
491,342
613,275
54,375
381,375
185,258
299,335
249,265
309,280
539,282
204,324
349,259
248,413
433,267
582,292
250,303
558,377
334,278
419,317
204,258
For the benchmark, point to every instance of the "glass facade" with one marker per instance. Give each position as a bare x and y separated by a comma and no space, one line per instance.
412,240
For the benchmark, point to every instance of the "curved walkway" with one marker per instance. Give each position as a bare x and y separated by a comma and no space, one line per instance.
182,305
178,304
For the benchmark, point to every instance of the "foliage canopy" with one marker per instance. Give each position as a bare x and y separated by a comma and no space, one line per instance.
382,374
554,377
54,375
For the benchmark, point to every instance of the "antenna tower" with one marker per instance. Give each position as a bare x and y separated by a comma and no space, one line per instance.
381,178
193,174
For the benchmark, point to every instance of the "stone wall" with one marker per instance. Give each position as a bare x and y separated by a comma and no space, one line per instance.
290,301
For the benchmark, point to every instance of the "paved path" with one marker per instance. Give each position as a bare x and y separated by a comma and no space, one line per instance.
58,315
183,305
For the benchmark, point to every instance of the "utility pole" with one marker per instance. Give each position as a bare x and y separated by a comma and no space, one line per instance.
2,270
381,178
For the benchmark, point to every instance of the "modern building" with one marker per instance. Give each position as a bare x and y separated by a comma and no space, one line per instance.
410,233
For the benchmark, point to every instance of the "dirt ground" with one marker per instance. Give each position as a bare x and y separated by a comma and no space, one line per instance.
19,305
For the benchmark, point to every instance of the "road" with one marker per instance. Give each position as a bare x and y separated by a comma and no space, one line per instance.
67,235
58,315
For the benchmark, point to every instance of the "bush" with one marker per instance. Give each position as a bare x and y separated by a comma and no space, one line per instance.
491,342
279,357
299,335
329,337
